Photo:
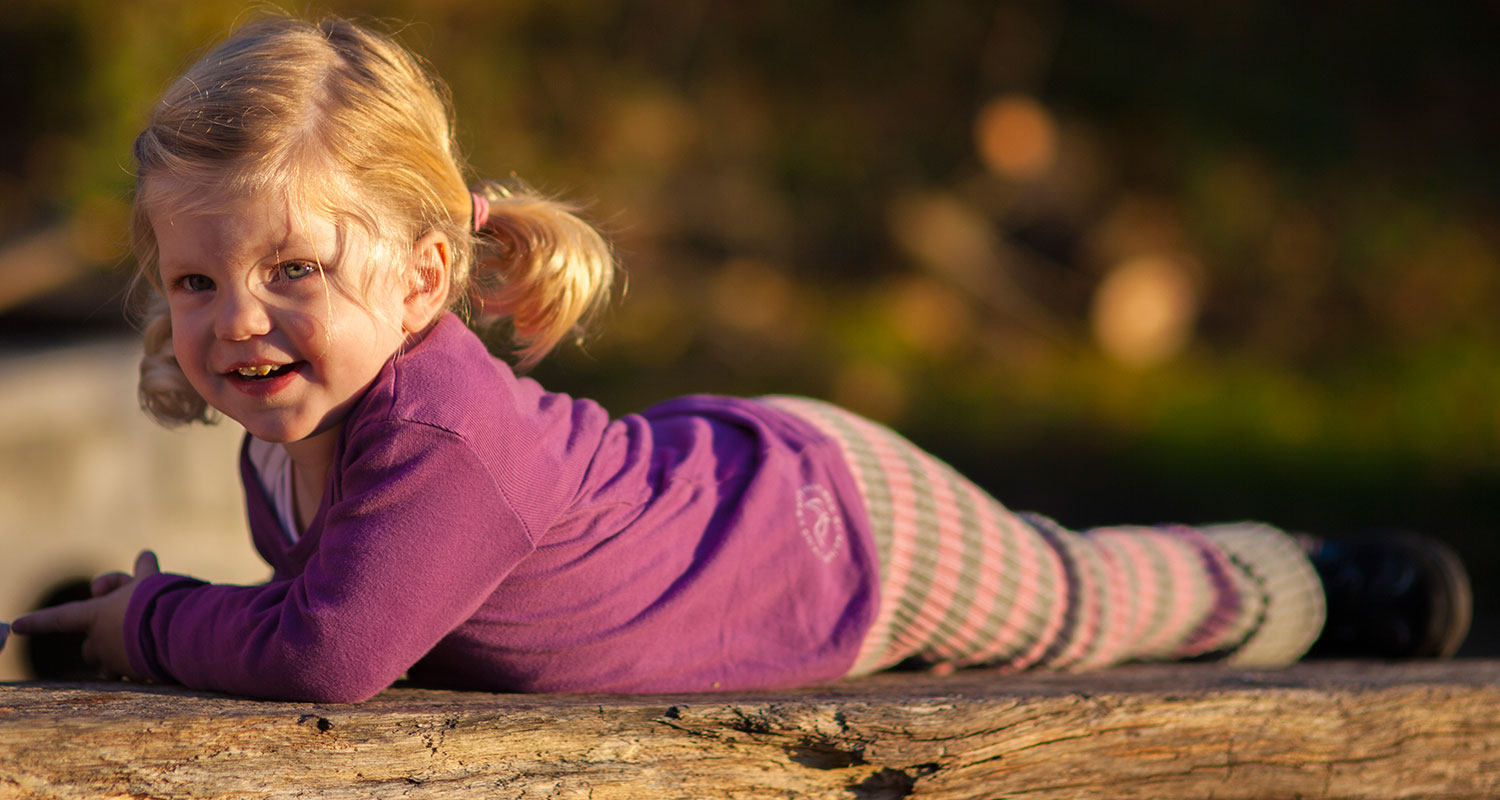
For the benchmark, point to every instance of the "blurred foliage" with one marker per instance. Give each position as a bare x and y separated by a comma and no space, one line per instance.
1144,258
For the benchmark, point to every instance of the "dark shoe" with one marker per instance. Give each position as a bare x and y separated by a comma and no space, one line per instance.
1391,595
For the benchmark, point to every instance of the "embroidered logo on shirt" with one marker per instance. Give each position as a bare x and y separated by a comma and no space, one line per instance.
818,517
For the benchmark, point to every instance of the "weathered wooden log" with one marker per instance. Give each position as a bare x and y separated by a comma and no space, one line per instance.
1332,730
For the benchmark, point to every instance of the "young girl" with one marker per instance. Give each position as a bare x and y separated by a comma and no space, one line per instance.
302,215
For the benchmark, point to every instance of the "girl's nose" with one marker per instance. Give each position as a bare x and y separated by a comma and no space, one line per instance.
240,316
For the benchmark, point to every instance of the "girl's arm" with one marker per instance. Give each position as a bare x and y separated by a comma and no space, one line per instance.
416,537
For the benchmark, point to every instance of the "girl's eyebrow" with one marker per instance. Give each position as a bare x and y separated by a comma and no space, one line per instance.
165,265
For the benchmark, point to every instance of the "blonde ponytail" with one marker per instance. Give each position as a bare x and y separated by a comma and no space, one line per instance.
539,265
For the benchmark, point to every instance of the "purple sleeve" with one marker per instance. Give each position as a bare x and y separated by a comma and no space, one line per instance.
415,538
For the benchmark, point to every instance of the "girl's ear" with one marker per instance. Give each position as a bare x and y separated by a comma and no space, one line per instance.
428,282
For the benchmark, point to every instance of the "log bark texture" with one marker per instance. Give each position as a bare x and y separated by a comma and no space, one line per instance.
1331,730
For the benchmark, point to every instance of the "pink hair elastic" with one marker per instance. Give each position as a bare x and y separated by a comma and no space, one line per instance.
481,211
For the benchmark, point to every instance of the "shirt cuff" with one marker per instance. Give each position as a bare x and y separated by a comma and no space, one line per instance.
144,632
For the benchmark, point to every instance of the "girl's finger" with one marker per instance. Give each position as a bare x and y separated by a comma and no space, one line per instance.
145,564
108,582
71,617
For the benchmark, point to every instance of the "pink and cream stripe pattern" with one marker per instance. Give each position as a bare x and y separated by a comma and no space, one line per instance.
966,581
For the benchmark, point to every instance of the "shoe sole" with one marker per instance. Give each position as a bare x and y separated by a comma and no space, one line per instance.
1453,608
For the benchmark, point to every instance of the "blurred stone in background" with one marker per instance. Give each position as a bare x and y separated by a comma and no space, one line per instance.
87,482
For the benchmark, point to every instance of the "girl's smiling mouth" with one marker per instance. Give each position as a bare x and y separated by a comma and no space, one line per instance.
260,372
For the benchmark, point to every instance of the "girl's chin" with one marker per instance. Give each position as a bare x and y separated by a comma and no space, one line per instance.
290,436
275,431
273,436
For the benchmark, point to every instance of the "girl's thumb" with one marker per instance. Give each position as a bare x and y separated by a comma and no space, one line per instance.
145,564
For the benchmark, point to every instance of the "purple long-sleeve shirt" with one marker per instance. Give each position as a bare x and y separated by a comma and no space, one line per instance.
483,533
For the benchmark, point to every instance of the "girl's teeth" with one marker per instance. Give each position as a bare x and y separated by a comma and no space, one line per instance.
254,372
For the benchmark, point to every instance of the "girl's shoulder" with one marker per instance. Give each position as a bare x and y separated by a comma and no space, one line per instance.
447,401
447,380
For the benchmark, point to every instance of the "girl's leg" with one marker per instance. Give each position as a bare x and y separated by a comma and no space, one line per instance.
966,581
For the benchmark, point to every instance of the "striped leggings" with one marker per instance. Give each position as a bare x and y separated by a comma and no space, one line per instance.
965,581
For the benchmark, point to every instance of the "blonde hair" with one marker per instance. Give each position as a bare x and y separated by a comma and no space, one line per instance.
352,125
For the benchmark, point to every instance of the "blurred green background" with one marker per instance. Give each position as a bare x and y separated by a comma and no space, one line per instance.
1140,260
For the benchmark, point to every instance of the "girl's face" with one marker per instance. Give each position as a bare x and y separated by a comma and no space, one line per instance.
277,320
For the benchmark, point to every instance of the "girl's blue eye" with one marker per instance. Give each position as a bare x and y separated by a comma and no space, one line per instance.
296,270
197,283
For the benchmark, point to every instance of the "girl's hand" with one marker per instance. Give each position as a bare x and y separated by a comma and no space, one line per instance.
101,620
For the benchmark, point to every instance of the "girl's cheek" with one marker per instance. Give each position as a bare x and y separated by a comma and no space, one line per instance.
309,329
180,336
191,359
